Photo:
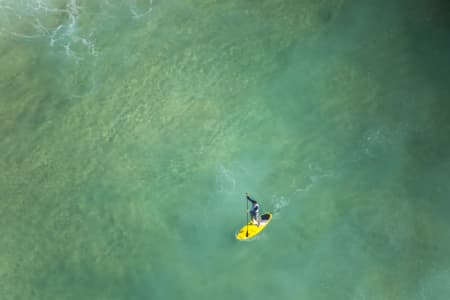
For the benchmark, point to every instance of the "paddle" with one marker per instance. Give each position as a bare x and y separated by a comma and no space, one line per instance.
246,201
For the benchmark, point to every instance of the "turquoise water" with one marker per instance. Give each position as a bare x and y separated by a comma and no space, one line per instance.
131,130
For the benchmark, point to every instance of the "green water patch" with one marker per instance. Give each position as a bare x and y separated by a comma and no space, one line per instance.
126,154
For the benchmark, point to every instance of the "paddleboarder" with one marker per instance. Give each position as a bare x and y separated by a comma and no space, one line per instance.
254,211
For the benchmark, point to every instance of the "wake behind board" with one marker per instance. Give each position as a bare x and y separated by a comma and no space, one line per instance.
253,229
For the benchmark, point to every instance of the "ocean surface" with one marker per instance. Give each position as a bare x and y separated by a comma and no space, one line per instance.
131,130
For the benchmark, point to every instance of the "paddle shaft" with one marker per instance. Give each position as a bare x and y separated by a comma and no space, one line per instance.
247,217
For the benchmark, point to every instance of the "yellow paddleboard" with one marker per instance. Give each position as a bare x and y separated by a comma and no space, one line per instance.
253,229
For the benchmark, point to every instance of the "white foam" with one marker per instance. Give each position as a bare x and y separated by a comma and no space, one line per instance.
58,22
135,11
278,203
64,36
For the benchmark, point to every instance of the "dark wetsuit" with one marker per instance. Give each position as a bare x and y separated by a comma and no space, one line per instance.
254,212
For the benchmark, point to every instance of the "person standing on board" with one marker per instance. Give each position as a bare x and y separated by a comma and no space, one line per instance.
254,211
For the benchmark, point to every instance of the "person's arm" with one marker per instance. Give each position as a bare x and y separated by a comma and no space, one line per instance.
253,201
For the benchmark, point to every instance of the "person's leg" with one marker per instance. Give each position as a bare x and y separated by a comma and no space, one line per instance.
253,217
